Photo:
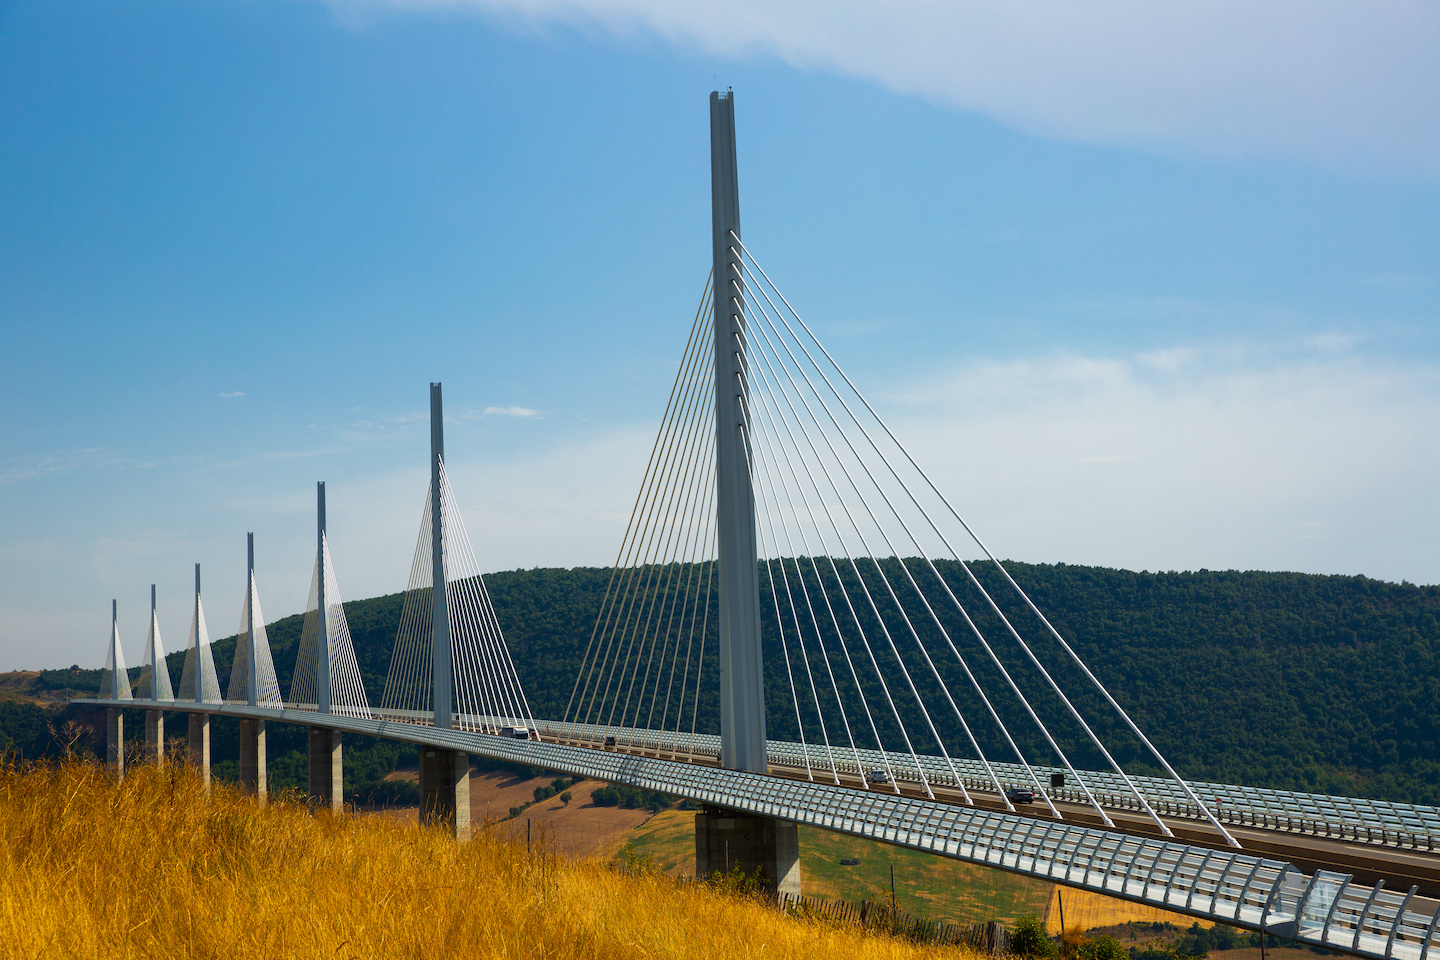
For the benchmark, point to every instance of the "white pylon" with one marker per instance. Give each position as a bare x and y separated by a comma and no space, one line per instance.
198,681
115,682
154,683
258,688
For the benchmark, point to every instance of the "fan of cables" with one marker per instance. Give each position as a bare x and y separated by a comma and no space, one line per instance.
267,687
891,653
487,692
347,691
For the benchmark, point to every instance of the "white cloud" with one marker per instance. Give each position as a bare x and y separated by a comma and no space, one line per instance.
1237,458
1339,82
236,393
509,412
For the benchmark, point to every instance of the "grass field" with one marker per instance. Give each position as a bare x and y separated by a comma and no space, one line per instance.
153,867
925,884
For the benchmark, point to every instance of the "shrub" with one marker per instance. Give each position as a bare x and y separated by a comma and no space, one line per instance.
1101,948
1028,939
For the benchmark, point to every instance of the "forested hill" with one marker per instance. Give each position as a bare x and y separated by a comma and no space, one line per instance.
1287,680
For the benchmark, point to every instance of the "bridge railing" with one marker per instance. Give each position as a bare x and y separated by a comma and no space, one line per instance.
1375,822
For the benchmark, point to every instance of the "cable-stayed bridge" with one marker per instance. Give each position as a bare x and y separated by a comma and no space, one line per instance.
912,694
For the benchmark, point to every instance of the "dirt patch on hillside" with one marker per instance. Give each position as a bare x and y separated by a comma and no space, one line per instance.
577,829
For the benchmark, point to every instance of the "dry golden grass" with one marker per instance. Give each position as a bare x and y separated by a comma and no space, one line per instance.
153,868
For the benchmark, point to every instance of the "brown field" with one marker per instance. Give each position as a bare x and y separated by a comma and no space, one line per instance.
1090,911
155,867
577,829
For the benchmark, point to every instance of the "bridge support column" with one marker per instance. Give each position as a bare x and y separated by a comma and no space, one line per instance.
327,780
252,756
198,748
445,790
726,840
115,741
155,736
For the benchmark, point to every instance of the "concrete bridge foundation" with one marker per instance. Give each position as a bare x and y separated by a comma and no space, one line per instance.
252,756
327,780
155,736
115,741
726,840
198,748
445,790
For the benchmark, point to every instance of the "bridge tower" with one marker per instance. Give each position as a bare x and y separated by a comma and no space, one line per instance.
444,774
252,730
197,659
326,780
115,685
727,839
159,687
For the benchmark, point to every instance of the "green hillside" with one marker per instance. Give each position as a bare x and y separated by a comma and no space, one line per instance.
1324,683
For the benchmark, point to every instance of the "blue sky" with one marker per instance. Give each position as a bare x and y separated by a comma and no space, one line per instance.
1158,292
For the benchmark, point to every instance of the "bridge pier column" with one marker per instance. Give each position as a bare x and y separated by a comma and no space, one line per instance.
252,756
155,736
198,749
727,839
115,741
327,780
445,790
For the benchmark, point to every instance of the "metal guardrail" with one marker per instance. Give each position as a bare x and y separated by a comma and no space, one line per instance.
1376,822
1325,909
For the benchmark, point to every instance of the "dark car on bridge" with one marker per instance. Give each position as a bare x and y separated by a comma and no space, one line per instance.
1020,795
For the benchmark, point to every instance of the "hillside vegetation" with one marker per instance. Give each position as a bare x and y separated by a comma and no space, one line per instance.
153,867
1287,680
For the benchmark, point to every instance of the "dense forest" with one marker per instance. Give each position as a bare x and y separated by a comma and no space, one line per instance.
1323,683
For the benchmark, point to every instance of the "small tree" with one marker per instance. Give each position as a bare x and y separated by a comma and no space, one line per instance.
565,798
1101,948
1028,939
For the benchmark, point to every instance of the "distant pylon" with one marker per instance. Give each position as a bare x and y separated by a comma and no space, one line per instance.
198,681
154,683
257,687
450,663
326,649
115,682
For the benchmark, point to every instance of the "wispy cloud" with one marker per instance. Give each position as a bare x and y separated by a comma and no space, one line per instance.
510,412
1340,82
63,461
233,393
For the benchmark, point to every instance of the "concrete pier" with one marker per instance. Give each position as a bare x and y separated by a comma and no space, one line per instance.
198,749
115,741
445,790
727,839
155,736
327,780
252,756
